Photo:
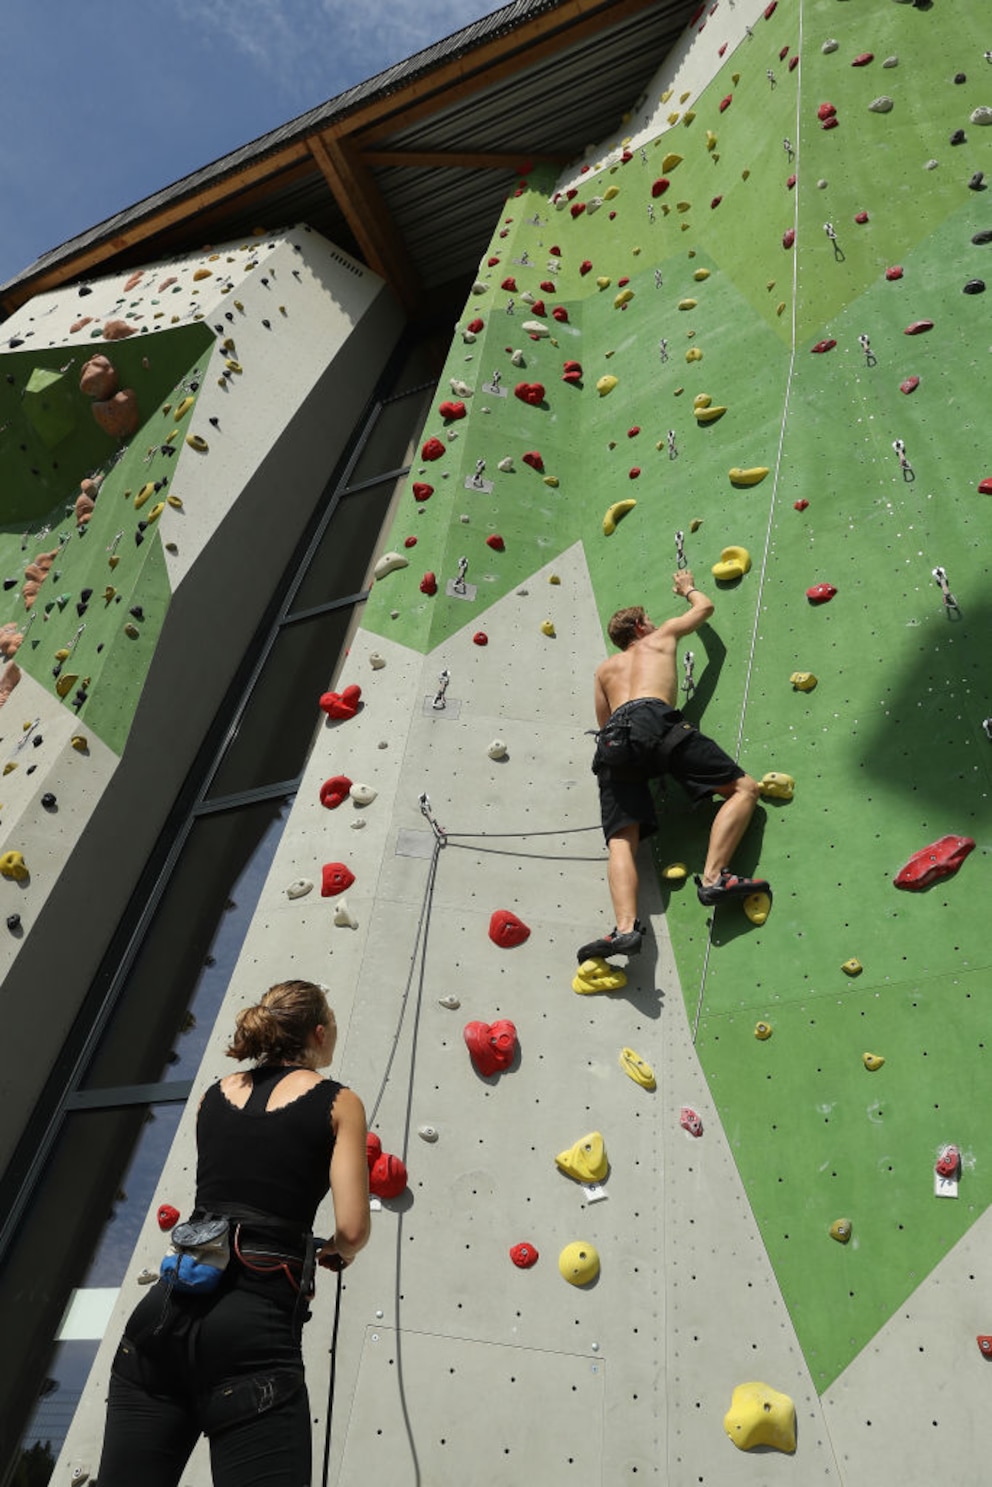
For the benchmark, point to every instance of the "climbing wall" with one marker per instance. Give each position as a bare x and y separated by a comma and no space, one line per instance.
756,320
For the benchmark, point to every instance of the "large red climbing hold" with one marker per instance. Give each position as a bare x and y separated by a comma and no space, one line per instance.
428,584
533,458
826,111
539,308
918,328
480,638
509,284
821,593
495,541
387,1174
334,792
530,392
451,412
822,346
341,705
432,449
690,1121
524,1255
770,9
476,325
660,186
985,486
940,860
507,930
948,1163
984,1345
560,314
168,1217
585,267
572,372
492,1046
422,491
577,208
334,879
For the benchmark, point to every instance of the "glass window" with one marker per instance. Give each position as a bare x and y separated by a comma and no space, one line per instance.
340,564
389,444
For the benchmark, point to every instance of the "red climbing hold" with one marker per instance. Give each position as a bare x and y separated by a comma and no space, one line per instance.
409,541
690,1121
509,284
507,930
633,472
918,327
433,449
585,267
788,237
830,123
480,638
577,208
822,346
861,218
539,308
801,504
572,372
660,186
341,705
523,1256
335,791
492,262
793,63
533,458
715,202
554,250
450,411
334,879
560,314
167,1217
909,385
428,584
726,102
821,593
895,272
790,183
826,111
940,860
547,287
476,325
985,486
863,58
722,49
422,492
496,542
387,1174
530,392
783,53
984,1345
770,9
492,1046
948,1162
633,431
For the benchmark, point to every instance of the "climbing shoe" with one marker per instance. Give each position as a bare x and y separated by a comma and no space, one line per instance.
729,885
628,943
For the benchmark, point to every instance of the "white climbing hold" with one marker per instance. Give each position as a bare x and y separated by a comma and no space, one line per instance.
982,115
300,888
830,45
464,518
389,563
892,61
450,1001
535,328
357,825
593,204
376,661
479,288
930,165
469,336
821,185
529,298
881,105
362,794
497,749
343,917
147,1277
427,1133
506,465
460,389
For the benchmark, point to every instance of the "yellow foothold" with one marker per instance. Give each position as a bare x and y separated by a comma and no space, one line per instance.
552,481
695,524
603,282
203,273
548,628
172,437
710,140
675,872
852,967
197,441
688,116
9,767
113,560
637,1068
762,1031
62,655
684,97
757,907
694,354
669,163
780,307
701,400
606,384
615,514
183,408
597,974
667,94
66,682
234,366
701,274
156,511
623,298
586,1161
688,304
840,1230
131,631
735,78
761,1416
777,786
683,206
872,1061
734,563
79,743
146,490
673,118
803,681
109,593
744,174
176,502
752,476
579,1263
12,865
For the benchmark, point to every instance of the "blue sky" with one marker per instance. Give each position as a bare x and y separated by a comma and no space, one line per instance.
104,103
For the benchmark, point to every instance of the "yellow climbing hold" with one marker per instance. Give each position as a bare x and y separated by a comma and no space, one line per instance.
233,366
66,682
710,140
735,78
176,502
673,118
615,514
548,628
694,354
695,524
9,767
579,1263
156,511
79,743
552,481
12,865
744,174
598,975
604,282
734,563
62,655
709,413
757,907
637,1068
606,384
131,631
183,408
780,307
109,593
667,94
197,441
146,490
761,1416
840,1230
203,273
586,1161
669,163
701,274
684,97
777,786
872,1061
752,476
803,681
553,578
611,192
687,304
762,1031
852,967
683,206
688,116
623,298
675,872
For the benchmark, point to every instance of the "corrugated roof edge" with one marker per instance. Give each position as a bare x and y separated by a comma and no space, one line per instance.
458,43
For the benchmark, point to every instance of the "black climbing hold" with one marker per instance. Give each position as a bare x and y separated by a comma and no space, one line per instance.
137,611
81,608
15,341
139,538
142,525
974,286
958,137
983,237
228,315
31,769
86,595
215,422
13,923
38,739
159,484
960,77
99,647
57,669
266,283
84,289
975,183
48,801
10,379
194,387
9,583
219,329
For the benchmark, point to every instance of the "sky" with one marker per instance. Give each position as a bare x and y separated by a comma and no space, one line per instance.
104,103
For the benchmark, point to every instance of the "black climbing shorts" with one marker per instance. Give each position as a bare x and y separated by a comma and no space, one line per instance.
645,750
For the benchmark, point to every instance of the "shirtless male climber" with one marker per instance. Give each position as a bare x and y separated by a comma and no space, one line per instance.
643,736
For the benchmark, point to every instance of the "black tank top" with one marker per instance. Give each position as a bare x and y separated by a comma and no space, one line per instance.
273,1161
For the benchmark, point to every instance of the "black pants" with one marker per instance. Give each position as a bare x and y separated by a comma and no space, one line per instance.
227,1366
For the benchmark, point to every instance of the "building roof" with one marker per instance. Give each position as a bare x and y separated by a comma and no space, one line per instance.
407,171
